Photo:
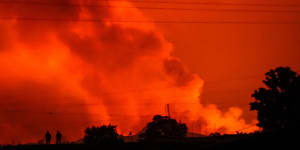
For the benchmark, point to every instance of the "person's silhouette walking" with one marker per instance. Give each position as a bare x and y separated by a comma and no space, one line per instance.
58,137
48,137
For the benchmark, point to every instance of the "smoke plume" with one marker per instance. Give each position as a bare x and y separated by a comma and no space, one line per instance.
66,65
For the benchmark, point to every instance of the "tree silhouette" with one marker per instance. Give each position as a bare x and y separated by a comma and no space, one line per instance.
278,105
101,135
164,127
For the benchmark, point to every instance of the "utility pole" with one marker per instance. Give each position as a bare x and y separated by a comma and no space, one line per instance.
168,109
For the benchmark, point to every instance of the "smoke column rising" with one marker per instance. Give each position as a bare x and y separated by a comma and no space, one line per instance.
64,73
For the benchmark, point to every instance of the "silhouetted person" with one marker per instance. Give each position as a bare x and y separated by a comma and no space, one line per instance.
58,137
48,137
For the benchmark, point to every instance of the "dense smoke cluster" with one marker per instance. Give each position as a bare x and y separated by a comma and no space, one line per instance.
66,67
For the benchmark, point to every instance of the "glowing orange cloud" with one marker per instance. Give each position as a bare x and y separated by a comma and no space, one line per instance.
68,74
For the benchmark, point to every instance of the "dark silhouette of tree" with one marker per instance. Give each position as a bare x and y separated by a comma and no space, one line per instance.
164,127
101,135
278,104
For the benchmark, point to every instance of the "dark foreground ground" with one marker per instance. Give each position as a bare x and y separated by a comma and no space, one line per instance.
274,141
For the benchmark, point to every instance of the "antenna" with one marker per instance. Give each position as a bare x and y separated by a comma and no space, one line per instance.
168,109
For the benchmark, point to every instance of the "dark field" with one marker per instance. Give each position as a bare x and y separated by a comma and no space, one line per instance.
253,141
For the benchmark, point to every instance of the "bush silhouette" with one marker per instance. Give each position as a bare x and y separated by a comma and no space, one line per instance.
278,104
164,127
101,135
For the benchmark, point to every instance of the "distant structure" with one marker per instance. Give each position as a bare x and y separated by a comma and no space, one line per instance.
48,137
163,127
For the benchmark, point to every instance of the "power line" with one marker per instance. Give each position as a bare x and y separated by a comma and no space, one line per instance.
208,3
147,21
152,8
52,113
176,3
111,104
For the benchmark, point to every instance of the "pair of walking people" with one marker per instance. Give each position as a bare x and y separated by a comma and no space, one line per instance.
48,137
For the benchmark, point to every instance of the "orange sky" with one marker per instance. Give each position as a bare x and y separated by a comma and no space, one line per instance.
58,69
232,58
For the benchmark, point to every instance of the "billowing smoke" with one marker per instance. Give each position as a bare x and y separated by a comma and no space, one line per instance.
66,65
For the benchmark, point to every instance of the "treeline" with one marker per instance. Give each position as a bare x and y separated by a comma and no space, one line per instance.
277,105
